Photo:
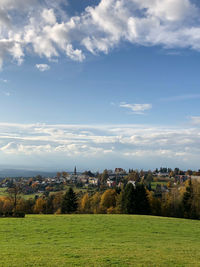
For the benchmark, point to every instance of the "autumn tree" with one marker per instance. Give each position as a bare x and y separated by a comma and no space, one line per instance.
149,178
108,200
57,202
65,174
1,205
40,206
14,194
85,206
134,176
118,208
171,203
196,198
7,205
155,204
104,176
95,202
189,172
28,206
58,175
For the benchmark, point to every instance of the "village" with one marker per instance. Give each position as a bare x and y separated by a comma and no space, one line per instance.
160,180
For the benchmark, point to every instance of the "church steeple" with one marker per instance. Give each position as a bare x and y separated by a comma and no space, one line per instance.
75,170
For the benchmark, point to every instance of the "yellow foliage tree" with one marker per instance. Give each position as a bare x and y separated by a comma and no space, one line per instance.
85,204
40,206
57,201
95,203
7,205
108,200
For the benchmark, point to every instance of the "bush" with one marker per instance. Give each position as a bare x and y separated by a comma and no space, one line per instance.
8,214
18,214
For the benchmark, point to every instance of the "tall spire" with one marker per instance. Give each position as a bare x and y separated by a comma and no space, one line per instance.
75,170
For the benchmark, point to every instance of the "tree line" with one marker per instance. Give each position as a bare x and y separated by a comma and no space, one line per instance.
182,202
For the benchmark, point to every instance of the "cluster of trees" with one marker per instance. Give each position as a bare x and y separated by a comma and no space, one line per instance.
183,202
131,200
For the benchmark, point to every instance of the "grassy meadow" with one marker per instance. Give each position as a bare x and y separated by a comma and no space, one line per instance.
99,240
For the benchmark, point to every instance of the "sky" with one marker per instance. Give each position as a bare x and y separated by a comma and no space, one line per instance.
99,84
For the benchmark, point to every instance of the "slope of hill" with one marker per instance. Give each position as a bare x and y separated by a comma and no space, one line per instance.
99,240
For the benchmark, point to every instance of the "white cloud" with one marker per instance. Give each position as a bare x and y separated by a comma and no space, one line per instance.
169,10
49,31
136,108
144,145
42,67
195,120
49,16
76,54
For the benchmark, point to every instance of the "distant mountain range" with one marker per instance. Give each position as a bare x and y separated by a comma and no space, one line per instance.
24,173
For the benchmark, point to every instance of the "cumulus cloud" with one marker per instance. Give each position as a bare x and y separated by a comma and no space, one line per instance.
136,108
50,31
126,143
42,67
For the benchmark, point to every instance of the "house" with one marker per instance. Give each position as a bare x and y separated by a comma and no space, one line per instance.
110,183
83,178
93,181
132,182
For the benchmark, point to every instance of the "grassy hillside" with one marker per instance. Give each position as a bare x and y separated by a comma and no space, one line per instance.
99,240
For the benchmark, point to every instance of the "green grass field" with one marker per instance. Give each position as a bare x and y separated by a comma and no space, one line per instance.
99,240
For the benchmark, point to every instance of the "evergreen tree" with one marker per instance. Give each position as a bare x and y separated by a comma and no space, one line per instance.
187,203
128,199
141,203
135,200
69,202
188,208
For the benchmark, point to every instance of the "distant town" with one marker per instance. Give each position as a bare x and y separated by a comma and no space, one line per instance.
159,180
162,192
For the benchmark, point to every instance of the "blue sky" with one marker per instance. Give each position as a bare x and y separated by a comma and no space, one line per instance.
99,84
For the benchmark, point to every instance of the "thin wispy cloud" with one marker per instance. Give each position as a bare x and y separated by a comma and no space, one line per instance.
49,31
3,80
7,93
136,108
181,97
172,53
195,120
42,67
